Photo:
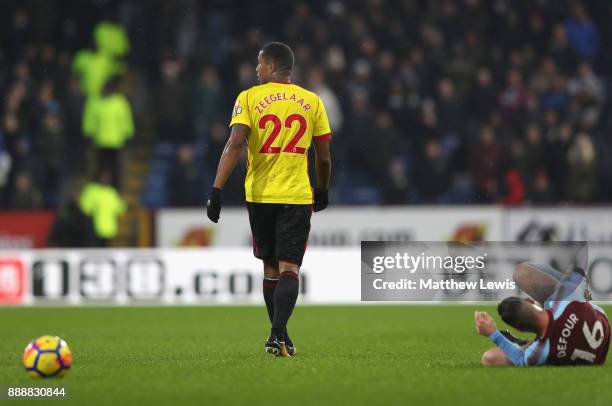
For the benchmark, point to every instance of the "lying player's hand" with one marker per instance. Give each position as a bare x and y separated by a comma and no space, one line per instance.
213,205
321,200
485,324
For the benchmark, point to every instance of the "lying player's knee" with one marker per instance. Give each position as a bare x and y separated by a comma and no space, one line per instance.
489,358
522,271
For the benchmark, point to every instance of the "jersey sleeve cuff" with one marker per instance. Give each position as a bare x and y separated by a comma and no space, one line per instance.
239,122
323,137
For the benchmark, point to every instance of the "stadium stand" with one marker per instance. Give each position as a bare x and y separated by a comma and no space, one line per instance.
425,106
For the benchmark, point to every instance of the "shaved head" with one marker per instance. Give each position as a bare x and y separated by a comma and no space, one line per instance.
280,54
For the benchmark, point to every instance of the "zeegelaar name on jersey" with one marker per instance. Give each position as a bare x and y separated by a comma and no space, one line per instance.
266,101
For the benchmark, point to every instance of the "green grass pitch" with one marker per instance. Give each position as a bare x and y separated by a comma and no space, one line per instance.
351,355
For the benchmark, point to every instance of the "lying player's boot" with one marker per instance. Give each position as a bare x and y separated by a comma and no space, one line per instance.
587,292
580,271
273,346
289,347
513,338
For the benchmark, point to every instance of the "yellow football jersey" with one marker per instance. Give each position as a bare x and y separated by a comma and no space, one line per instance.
283,118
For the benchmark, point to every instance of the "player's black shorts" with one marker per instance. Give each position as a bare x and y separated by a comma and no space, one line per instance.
280,231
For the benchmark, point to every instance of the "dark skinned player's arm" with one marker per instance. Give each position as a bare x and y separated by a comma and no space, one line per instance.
231,153
322,163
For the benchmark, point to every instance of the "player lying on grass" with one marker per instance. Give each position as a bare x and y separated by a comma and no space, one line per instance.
570,330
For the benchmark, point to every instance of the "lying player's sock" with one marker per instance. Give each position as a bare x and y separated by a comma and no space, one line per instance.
269,286
285,297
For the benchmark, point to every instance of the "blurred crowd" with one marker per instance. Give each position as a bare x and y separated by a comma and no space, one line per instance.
449,101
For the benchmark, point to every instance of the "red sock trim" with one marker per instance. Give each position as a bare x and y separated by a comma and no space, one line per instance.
289,274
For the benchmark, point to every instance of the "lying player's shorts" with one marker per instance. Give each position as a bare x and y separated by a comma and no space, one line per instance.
280,231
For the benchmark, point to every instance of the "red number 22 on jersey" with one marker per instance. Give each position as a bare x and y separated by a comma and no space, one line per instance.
267,147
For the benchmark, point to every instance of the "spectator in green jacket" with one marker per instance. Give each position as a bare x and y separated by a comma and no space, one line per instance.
110,120
111,39
95,68
101,201
107,117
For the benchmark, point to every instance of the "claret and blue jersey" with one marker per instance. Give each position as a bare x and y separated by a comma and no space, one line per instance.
578,332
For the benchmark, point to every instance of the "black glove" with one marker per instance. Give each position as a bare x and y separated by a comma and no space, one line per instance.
213,205
321,200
